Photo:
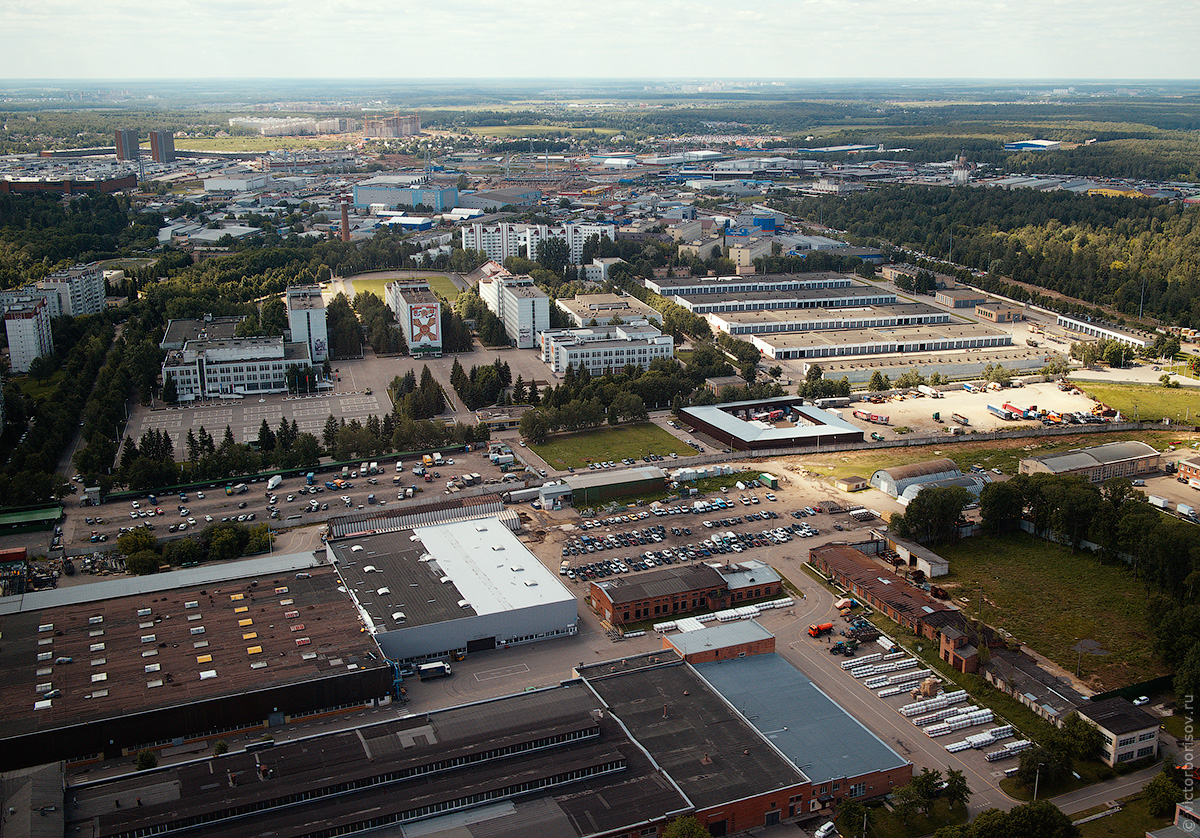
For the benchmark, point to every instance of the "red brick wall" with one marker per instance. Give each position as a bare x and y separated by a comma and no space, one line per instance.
752,812
757,647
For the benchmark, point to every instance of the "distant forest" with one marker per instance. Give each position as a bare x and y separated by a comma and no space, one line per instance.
1097,249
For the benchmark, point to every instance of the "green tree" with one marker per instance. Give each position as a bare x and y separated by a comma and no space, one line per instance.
1081,739
1043,766
926,787
143,563
957,792
146,759
879,382
1041,818
1187,675
850,817
1000,507
686,827
1162,793
170,392
220,747
137,540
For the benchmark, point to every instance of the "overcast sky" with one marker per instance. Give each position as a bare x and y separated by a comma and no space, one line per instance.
1046,39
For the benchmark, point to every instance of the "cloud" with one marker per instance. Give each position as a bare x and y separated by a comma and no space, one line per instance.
588,39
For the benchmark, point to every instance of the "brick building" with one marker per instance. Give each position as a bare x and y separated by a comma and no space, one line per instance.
724,641
678,590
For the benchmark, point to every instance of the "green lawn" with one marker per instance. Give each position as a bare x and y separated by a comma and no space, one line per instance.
577,450
441,284
882,823
36,389
1133,819
1050,599
1179,404
125,264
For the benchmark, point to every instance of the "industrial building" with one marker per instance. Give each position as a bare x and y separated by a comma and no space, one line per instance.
894,481
960,297
683,589
601,349
393,191
722,641
1101,331
523,308
801,425
845,343
444,510
853,318
65,183
114,666
999,313
306,320
691,286
902,602
603,309
596,487
27,325
238,366
973,483
419,313
494,199
552,762
448,590
1098,463
1129,733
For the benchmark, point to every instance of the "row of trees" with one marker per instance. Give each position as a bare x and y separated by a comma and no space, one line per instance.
482,385
144,553
417,400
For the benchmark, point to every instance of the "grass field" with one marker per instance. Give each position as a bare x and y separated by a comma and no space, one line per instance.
577,450
35,389
1050,599
125,264
510,131
256,143
884,823
1133,819
1004,454
440,284
1179,404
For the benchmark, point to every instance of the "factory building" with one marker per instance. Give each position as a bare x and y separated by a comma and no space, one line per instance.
973,483
27,324
894,481
960,297
448,590
419,313
674,591
1129,733
851,296
306,319
1101,331
691,286
602,309
605,348
240,366
1098,463
64,184
233,182
844,343
733,424
523,308
395,191
495,199
106,669
595,487
765,322
379,519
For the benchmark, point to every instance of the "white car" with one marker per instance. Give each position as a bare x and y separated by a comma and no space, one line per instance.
135,504
191,522
208,519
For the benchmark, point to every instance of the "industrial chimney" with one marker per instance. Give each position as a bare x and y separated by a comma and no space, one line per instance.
345,219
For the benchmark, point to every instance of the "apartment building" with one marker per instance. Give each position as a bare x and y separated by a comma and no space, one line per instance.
27,323
77,291
499,241
522,307
602,348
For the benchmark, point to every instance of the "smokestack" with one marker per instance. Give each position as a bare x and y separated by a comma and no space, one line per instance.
345,219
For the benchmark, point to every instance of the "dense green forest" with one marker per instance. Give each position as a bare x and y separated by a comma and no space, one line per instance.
1097,249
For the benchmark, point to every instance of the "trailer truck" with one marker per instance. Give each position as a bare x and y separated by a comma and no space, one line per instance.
999,411
818,629
437,669
933,393
959,418
1156,501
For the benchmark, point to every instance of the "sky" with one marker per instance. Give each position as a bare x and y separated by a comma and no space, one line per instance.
778,39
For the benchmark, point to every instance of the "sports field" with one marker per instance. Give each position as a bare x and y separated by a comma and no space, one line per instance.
602,444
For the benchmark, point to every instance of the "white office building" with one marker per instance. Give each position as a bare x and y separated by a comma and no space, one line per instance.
306,319
419,313
27,323
499,241
236,366
603,348
522,307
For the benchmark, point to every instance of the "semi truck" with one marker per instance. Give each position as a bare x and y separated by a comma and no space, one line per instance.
873,418
274,482
959,418
818,629
929,391
999,411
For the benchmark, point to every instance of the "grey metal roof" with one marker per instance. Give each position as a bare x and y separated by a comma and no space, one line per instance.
1081,458
1118,716
942,465
590,479
719,417
800,720
720,636
747,574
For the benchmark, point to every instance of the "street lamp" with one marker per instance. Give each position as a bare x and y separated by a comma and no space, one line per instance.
1036,777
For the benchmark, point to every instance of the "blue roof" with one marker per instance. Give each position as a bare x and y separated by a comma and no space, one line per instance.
800,720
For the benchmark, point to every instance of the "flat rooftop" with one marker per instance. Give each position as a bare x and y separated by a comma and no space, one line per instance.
802,295
151,647
664,582
892,334
305,297
260,797
180,332
828,317
443,572
592,479
607,306
719,636
414,295
817,423
668,284
798,718
710,750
